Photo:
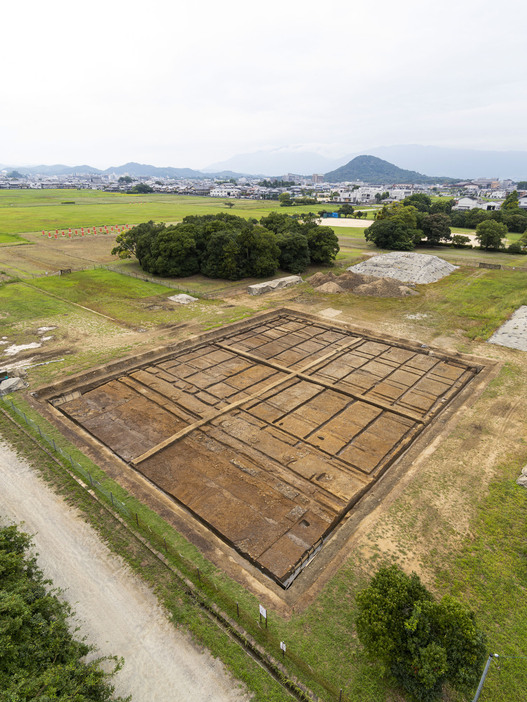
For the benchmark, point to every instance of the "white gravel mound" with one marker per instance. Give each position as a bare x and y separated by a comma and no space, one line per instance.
183,299
405,266
513,333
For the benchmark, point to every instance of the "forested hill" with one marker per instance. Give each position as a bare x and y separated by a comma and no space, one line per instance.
371,169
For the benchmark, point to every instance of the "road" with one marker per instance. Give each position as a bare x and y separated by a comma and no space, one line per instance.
116,611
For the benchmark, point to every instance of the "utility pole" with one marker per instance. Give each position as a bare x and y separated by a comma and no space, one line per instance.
484,675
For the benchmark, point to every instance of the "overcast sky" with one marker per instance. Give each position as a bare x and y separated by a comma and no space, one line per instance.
188,84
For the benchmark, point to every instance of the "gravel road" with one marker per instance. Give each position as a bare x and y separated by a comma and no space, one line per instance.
116,611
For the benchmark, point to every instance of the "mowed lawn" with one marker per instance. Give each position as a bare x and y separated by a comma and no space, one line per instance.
37,210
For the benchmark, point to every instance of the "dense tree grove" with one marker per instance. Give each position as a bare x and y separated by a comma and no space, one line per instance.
423,643
39,657
417,219
227,246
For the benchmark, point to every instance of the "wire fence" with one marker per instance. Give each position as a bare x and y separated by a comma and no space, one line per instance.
203,588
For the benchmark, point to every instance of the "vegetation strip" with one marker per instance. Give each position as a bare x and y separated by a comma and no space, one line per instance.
222,619
76,304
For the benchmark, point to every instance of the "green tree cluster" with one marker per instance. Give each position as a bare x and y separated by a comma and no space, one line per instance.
490,234
141,189
39,657
395,227
423,643
514,218
230,247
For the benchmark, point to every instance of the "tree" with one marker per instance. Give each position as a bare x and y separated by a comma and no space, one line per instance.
346,210
522,185
258,252
294,252
442,206
128,240
379,197
285,200
229,204
423,643
141,189
221,256
420,201
125,179
511,201
39,657
490,234
436,228
171,252
323,244
390,234
460,240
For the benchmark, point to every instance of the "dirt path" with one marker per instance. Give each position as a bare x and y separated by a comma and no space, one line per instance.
116,611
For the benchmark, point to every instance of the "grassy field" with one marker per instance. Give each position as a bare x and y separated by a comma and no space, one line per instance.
459,521
37,210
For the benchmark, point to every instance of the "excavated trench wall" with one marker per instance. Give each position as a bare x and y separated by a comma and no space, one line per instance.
269,431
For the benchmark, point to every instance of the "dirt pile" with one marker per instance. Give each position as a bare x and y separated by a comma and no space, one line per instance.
359,284
406,266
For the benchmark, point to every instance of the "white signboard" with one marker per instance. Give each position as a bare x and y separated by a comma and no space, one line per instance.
263,611
282,646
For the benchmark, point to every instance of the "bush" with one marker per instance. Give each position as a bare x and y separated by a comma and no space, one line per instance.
39,657
516,248
461,241
423,643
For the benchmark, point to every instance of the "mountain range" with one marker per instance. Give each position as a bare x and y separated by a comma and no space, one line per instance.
456,163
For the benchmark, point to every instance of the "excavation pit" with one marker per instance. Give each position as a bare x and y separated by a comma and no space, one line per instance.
268,431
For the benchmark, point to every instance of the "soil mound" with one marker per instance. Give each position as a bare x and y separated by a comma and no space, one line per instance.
359,284
329,287
405,266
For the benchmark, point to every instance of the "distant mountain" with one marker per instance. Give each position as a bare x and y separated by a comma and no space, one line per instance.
371,169
143,170
459,163
276,162
57,169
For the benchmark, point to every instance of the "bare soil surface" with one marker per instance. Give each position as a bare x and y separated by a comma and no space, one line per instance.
359,284
116,612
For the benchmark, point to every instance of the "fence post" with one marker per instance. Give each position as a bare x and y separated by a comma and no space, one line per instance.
340,696
25,418
136,519
199,575
54,444
165,544
111,498
38,427
237,610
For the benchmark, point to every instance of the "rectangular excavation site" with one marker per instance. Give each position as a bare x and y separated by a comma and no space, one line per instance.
268,431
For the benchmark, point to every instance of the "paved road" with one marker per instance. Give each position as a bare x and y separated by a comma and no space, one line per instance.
116,611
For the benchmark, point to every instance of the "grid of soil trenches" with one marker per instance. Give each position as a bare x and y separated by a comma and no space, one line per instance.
270,432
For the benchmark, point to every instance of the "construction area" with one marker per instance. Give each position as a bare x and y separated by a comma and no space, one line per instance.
267,431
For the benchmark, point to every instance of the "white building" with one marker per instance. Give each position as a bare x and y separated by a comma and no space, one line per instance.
225,191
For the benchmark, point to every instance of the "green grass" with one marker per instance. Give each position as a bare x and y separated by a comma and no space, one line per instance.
34,211
474,301
121,297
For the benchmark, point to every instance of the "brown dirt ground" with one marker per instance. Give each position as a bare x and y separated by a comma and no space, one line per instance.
359,284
